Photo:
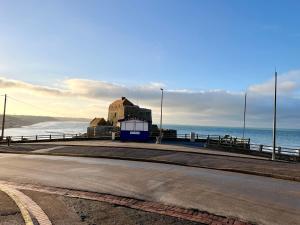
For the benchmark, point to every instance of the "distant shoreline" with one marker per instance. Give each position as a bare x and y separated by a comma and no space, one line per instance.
18,121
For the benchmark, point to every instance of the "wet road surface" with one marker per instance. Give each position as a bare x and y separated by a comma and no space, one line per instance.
258,199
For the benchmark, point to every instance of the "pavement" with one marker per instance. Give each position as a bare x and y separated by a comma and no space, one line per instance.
169,154
176,146
259,199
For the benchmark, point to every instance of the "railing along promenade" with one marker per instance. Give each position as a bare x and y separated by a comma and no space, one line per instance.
218,142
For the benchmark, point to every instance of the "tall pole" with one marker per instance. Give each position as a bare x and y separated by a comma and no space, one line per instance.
3,118
274,118
161,105
245,108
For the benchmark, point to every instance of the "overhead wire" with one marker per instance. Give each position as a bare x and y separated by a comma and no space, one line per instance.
34,106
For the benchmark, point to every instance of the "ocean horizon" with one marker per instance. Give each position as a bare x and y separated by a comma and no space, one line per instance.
285,137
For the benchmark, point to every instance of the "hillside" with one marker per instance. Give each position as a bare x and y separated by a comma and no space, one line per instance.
13,121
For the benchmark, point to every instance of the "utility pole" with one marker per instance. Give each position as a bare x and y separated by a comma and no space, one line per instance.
3,117
245,108
274,117
161,105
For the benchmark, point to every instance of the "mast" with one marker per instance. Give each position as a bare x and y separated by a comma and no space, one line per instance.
245,108
274,117
161,105
3,117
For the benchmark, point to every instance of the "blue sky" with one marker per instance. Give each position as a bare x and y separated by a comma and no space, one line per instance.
190,44
199,45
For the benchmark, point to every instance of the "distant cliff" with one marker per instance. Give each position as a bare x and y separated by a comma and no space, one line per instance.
13,121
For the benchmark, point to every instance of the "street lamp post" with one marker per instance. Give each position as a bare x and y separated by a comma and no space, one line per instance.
245,108
274,117
3,118
161,105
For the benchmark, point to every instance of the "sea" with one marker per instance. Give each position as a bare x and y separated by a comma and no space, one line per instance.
285,137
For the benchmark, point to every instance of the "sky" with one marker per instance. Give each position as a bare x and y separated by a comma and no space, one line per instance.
72,58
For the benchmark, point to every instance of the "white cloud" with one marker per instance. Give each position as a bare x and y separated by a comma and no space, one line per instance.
287,84
212,107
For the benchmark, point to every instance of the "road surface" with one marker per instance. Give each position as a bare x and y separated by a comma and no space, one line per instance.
258,199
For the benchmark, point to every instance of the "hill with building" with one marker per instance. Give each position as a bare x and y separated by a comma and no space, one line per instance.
13,121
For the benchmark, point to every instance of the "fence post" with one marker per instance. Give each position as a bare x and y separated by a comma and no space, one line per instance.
50,137
36,137
279,150
261,148
8,139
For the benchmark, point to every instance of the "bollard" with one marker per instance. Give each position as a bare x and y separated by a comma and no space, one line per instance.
64,136
113,136
8,139
192,137
261,148
279,150
50,136
207,140
36,137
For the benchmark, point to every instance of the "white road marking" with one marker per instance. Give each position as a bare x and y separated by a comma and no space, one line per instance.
43,150
28,203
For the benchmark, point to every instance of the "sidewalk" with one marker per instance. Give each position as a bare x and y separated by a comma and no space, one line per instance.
174,147
193,156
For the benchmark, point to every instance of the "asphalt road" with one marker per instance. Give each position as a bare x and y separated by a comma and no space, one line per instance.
258,199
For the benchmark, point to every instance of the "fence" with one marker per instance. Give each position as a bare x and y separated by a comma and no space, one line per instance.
216,141
240,145
43,137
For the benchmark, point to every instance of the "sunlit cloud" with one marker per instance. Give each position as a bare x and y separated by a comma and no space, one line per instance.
287,84
90,98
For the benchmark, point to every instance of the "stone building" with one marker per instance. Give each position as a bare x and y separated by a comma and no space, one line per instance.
124,109
98,122
99,128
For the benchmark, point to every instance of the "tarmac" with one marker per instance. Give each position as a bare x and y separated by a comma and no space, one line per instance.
258,199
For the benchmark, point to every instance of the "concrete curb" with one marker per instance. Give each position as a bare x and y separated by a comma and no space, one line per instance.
282,177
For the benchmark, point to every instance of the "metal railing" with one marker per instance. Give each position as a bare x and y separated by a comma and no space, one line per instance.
240,144
278,150
226,142
44,137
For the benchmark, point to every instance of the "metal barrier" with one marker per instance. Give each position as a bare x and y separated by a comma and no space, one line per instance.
226,142
242,145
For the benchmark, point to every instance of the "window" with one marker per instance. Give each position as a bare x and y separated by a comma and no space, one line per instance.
134,125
